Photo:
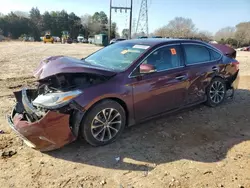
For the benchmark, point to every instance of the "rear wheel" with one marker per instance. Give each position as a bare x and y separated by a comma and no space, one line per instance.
216,92
104,123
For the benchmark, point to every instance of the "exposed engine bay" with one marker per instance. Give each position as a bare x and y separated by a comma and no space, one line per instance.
54,93
68,81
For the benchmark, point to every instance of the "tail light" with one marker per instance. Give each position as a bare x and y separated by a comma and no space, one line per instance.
236,65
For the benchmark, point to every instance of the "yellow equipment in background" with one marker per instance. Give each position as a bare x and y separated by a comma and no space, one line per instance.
48,38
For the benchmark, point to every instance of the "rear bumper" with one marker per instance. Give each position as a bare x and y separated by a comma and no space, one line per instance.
49,132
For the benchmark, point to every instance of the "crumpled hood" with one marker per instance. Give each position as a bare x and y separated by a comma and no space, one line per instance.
62,64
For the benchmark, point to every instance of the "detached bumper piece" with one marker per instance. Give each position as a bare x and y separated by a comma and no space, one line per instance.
234,84
42,132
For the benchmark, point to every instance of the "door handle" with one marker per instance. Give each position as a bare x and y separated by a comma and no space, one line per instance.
180,77
215,69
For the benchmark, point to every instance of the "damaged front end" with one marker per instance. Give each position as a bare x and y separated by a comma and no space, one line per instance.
40,127
47,117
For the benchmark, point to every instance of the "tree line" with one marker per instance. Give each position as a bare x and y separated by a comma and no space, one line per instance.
181,27
35,24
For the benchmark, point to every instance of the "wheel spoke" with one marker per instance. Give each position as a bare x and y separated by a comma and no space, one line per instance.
220,86
109,133
114,117
217,98
114,122
103,134
104,114
95,135
220,97
217,85
212,87
113,129
110,112
96,126
97,119
212,97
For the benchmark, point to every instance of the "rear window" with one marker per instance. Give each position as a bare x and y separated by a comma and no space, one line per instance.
196,54
215,55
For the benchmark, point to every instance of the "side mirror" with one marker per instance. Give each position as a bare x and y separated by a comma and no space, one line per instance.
147,68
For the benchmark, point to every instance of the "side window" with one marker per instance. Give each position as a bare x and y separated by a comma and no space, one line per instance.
196,54
165,58
215,55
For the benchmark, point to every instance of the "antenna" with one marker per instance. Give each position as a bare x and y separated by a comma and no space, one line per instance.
142,22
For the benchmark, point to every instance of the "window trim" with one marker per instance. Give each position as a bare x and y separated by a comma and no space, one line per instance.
163,46
198,44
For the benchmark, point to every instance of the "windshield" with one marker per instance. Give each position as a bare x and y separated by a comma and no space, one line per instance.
117,56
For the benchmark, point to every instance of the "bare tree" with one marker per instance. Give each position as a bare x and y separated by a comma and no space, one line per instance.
181,27
204,35
21,14
225,33
242,34
125,33
91,27
86,22
163,31
178,27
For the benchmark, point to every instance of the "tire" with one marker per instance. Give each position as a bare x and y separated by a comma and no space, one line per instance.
94,122
216,92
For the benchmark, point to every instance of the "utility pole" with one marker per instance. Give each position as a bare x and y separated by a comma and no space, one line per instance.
130,19
130,8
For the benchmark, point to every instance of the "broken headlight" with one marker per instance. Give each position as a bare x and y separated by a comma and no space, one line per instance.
55,100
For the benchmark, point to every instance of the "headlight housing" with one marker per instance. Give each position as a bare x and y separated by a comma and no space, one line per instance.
55,100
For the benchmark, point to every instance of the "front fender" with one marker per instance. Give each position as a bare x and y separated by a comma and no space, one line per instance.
93,95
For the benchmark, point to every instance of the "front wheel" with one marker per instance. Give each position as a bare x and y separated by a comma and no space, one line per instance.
104,123
216,92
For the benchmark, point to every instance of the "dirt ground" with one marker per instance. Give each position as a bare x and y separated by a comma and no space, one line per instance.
198,147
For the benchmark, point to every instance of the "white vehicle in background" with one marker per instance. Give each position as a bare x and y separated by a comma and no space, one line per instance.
80,38
56,39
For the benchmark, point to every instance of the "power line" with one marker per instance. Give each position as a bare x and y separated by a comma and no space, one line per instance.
121,8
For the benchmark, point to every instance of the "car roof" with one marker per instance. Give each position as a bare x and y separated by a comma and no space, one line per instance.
158,41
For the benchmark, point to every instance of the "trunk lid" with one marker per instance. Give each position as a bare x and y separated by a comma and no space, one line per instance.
226,50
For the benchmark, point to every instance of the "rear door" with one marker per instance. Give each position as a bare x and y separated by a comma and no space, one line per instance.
202,64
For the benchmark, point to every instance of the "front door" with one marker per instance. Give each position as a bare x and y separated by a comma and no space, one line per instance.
164,89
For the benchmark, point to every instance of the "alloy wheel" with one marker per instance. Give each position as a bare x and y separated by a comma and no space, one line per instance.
106,124
217,92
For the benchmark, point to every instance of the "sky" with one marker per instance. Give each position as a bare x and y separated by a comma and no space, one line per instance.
208,15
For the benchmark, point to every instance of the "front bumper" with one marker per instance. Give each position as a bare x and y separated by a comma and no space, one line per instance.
50,132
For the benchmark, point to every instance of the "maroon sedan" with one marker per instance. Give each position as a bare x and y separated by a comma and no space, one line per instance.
120,85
